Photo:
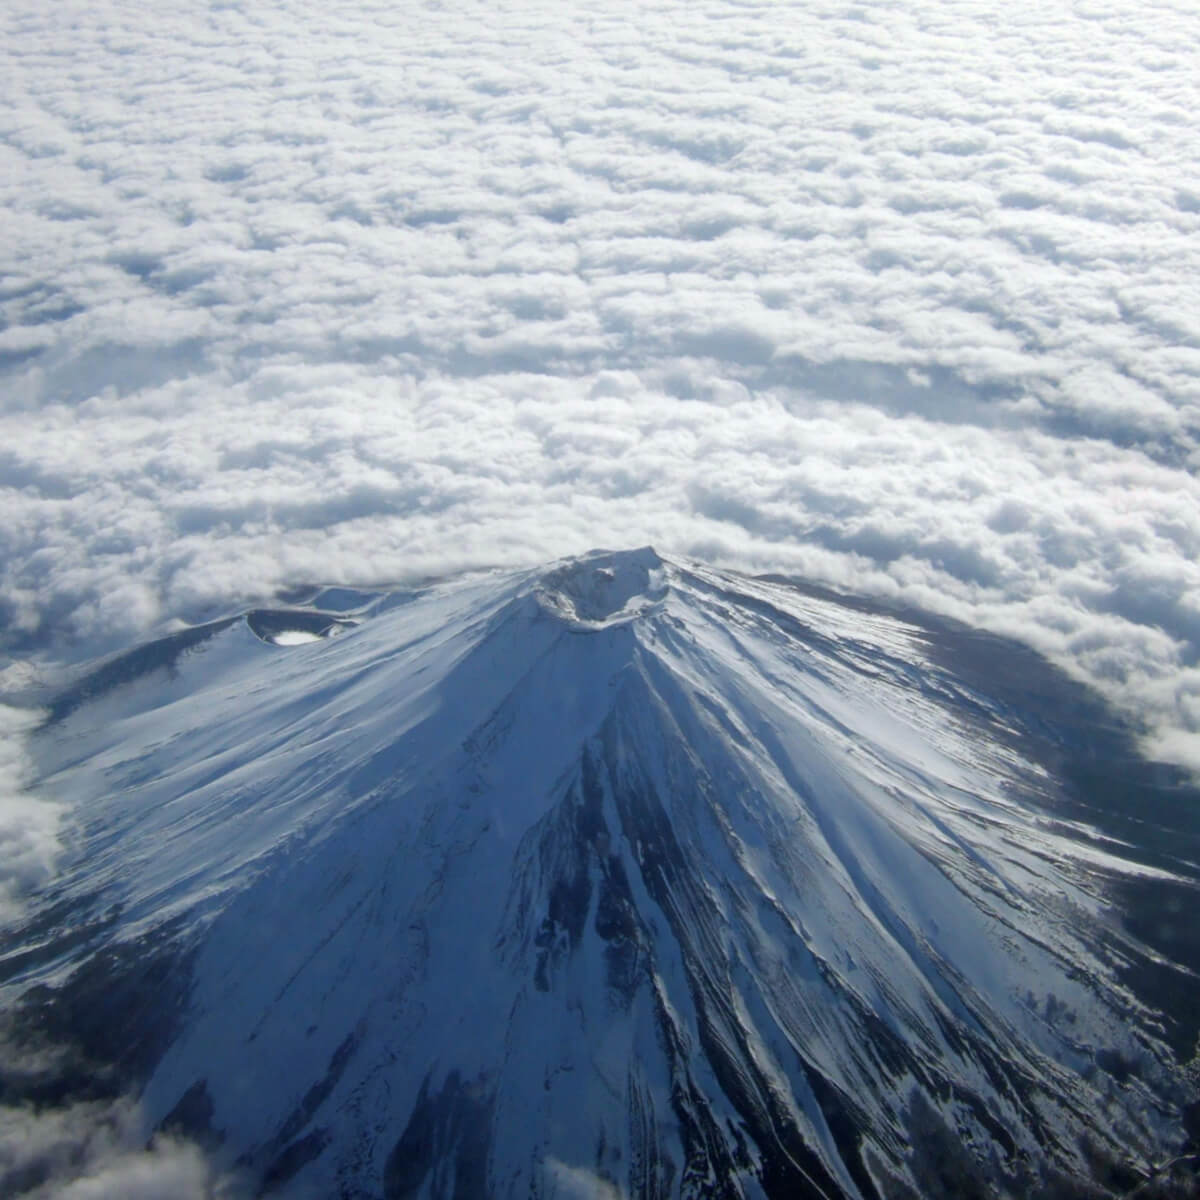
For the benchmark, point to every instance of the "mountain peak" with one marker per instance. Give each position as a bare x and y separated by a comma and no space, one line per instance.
604,587
744,893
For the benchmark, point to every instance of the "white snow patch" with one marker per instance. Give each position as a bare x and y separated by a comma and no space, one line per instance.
295,637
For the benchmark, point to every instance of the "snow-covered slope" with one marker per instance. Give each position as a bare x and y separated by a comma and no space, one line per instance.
621,877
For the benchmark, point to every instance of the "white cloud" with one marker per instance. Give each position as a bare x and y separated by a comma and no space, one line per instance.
95,1151
565,1182
901,297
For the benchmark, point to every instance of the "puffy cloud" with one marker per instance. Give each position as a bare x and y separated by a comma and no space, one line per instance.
898,297
578,1183
94,1151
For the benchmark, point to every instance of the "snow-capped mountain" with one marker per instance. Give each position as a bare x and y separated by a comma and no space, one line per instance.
623,877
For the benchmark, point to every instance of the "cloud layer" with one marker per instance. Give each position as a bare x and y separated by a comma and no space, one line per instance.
905,298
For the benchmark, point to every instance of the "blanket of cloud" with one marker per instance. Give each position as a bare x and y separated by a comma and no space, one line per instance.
901,297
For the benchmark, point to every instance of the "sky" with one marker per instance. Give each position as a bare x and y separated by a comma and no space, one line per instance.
899,298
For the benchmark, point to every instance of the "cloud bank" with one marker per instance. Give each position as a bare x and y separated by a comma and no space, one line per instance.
903,298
